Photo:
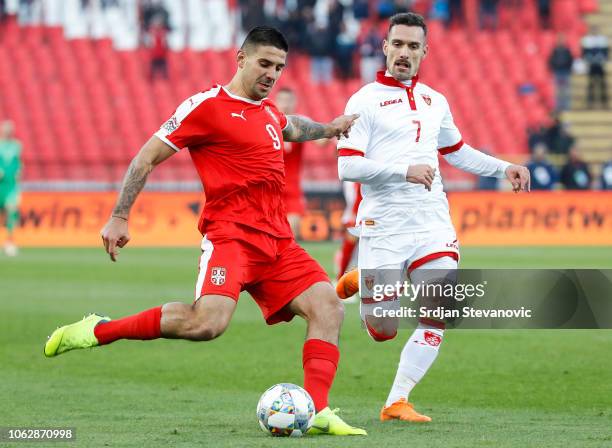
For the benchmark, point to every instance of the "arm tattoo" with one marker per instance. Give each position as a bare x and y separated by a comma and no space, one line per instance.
301,129
133,182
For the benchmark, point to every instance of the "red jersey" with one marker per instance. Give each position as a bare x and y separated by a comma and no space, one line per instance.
236,146
293,168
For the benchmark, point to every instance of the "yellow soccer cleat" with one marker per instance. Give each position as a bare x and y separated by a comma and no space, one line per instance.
402,410
77,335
348,285
327,422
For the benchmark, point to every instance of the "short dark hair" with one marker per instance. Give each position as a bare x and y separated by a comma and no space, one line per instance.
265,35
408,19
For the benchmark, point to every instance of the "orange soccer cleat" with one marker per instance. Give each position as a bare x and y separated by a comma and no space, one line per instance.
402,410
348,285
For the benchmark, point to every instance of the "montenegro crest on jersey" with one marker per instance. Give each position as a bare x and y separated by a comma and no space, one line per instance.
217,276
369,282
427,99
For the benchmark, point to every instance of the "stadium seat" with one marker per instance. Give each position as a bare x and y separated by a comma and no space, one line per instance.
97,106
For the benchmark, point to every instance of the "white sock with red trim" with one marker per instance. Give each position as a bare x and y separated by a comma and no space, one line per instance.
418,355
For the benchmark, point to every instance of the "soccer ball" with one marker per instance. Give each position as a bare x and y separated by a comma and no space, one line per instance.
285,410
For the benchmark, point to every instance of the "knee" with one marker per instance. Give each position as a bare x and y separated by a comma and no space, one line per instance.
205,331
329,309
205,327
380,330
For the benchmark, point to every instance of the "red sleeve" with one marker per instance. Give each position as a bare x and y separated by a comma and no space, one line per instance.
191,123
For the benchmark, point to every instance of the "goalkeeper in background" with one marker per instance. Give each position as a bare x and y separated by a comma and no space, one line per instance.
10,170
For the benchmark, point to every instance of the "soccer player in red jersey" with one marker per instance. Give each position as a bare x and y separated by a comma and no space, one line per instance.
235,138
292,154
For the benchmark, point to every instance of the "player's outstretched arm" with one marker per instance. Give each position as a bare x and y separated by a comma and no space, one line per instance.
115,233
301,129
476,162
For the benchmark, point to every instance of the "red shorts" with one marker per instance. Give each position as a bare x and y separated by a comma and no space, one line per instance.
273,270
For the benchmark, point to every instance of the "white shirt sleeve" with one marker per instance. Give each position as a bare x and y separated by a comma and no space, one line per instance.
359,136
476,162
449,135
367,171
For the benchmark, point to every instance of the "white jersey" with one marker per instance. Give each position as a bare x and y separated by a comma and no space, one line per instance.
401,125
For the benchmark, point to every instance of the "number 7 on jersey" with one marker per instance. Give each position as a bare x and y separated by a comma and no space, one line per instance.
418,123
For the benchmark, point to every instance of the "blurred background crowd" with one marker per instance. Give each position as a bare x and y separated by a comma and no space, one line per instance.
86,82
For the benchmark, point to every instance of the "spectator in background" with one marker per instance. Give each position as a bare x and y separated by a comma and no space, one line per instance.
486,183
361,9
303,4
252,14
535,134
595,53
400,6
606,176
385,8
560,63
455,10
345,49
544,13
335,15
543,174
154,10
488,14
320,47
10,172
575,174
557,138
158,44
372,55
29,12
294,29
440,10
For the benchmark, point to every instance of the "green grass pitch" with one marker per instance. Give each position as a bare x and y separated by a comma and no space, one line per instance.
540,388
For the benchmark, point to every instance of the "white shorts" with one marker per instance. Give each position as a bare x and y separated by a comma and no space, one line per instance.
394,257
406,251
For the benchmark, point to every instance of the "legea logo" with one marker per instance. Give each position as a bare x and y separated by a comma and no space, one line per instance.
389,102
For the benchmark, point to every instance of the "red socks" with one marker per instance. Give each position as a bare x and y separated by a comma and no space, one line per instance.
320,358
320,361
346,252
143,326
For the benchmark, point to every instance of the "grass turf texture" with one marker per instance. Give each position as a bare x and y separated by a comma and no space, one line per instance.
487,388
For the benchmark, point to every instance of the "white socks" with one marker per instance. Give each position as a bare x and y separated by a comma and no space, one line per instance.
418,355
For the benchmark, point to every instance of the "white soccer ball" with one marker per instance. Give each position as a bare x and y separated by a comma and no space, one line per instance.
285,410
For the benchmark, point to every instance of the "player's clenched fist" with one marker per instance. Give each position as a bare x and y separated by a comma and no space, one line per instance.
341,125
519,177
421,174
115,235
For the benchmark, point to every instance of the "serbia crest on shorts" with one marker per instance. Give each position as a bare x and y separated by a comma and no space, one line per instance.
217,276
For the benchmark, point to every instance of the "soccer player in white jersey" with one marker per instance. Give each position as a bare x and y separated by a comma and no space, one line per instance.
403,220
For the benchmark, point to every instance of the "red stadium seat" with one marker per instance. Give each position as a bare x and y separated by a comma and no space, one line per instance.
97,106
